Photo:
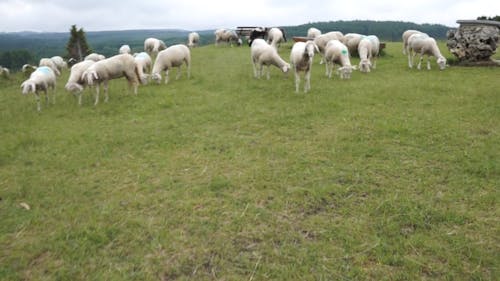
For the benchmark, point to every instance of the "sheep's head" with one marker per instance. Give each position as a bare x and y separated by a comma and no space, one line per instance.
365,65
346,71
310,48
285,68
145,79
441,61
73,87
156,77
28,87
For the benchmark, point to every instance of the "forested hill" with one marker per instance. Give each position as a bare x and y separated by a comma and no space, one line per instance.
19,48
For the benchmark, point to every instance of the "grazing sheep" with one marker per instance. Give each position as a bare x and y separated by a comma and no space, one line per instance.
173,56
301,59
407,35
49,63
112,68
41,79
337,52
424,45
124,49
323,39
226,35
264,54
143,63
313,33
95,57
351,40
193,39
76,82
368,50
59,62
4,71
152,46
275,36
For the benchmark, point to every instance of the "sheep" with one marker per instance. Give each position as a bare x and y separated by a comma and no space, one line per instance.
351,40
368,50
226,35
275,36
258,32
59,63
76,83
143,63
193,39
95,57
173,56
124,49
407,35
264,54
112,68
4,71
301,59
337,52
424,45
323,39
313,33
42,79
152,46
49,63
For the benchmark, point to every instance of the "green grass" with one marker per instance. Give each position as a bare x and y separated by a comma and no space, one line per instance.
391,175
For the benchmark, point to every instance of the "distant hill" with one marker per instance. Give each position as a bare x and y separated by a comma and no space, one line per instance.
39,45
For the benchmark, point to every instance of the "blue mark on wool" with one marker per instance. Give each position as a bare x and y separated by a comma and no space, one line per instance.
44,69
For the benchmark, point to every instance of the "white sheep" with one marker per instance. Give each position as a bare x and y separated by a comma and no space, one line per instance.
124,49
173,56
323,39
424,45
152,46
351,40
76,82
275,36
59,62
193,39
49,63
264,54
407,35
95,57
337,52
143,62
313,33
112,68
368,50
42,79
4,71
226,35
301,59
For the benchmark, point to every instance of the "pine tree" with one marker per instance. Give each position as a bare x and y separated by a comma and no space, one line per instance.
77,46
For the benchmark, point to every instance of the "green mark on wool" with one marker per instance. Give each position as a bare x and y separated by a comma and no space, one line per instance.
344,52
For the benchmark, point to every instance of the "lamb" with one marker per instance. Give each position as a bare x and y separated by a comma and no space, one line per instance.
275,36
264,54
351,40
143,63
337,52
226,35
42,79
124,49
368,50
193,39
173,56
313,33
152,46
112,68
76,83
95,57
407,35
49,63
424,45
323,39
301,59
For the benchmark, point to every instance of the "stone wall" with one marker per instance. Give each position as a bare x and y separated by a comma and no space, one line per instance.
474,41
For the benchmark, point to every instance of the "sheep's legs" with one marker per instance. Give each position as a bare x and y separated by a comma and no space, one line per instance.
105,86
307,84
37,98
410,59
420,61
428,63
179,73
166,76
268,72
97,94
297,81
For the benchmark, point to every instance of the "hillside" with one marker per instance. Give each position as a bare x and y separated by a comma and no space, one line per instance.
107,42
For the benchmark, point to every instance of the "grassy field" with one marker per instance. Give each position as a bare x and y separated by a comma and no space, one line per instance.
391,175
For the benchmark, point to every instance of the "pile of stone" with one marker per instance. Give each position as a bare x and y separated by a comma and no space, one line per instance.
475,41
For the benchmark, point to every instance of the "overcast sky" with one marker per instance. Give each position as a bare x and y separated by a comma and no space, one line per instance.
96,15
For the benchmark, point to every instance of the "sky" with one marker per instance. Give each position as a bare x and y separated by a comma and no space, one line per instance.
98,15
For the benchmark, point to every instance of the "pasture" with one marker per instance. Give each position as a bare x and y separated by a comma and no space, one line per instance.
391,175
